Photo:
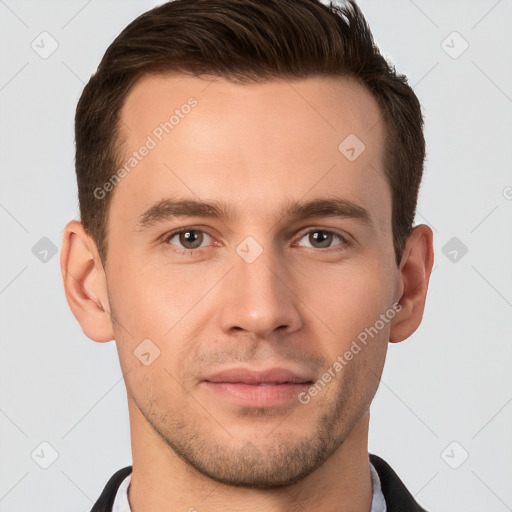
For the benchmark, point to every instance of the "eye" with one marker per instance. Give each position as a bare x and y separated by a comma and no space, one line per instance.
189,239
322,238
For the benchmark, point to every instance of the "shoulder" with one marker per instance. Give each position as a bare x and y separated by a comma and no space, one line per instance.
106,499
397,496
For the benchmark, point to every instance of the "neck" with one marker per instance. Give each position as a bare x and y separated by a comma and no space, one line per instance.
161,479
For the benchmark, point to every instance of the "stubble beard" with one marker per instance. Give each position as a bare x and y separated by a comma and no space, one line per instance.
282,460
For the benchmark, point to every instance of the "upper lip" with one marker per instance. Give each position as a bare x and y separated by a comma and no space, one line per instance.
265,376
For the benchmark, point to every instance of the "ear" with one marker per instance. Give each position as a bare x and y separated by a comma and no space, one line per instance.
85,283
414,274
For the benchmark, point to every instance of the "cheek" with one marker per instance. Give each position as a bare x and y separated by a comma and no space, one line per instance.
150,301
156,392
347,298
157,312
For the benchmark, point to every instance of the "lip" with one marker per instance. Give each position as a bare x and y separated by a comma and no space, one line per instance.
258,388
275,375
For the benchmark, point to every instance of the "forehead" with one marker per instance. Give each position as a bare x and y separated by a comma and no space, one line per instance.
248,144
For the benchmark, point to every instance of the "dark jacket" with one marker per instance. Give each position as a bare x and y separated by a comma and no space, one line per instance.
398,498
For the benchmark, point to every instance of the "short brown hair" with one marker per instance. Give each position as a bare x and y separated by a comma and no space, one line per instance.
246,41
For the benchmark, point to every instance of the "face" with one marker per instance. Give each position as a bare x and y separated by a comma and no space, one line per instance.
228,317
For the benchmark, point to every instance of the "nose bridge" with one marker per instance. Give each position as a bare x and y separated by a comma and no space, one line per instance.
258,297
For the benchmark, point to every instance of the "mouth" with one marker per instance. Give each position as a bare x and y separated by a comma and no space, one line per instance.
258,388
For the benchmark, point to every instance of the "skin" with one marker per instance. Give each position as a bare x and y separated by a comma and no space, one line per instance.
298,305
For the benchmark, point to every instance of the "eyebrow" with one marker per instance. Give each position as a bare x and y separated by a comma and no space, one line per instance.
170,208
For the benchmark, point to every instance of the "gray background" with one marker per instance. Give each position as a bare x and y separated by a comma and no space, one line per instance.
445,393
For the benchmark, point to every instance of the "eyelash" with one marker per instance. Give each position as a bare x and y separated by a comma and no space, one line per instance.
168,236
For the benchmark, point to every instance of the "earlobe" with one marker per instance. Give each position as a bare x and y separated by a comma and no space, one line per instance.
85,283
415,271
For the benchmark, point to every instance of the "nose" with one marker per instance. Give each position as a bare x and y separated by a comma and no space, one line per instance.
258,298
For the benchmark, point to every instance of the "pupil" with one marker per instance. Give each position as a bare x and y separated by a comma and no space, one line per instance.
193,239
323,238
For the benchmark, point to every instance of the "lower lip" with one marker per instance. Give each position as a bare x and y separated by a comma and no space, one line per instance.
250,395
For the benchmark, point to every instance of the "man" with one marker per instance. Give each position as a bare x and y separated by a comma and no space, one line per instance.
248,173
